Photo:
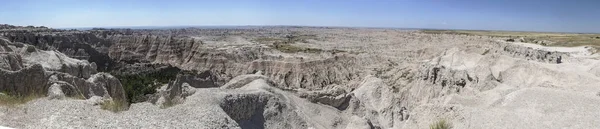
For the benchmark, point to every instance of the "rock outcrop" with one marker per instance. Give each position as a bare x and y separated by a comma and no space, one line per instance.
293,77
75,44
375,102
13,81
56,61
311,75
176,91
112,86
8,59
103,48
261,105
532,54
27,70
334,97
196,80
224,64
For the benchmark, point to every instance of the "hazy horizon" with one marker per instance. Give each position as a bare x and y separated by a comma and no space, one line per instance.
242,26
510,15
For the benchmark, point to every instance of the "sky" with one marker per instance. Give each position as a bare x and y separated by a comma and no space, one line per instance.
519,15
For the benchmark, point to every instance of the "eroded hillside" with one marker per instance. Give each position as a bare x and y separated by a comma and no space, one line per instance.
291,77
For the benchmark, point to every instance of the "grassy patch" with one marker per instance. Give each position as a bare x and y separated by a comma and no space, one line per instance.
268,40
441,124
80,97
114,105
497,33
299,38
454,32
284,44
288,39
556,39
12,100
288,48
168,103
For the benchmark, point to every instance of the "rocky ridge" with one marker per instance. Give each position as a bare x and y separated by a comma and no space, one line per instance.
54,74
370,78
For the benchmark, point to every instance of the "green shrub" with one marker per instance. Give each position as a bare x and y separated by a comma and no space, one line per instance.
441,124
137,86
30,48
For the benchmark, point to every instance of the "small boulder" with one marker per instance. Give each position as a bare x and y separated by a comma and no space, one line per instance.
187,90
112,85
55,92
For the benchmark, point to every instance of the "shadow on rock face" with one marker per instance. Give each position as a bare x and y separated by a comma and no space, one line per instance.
203,80
256,122
246,109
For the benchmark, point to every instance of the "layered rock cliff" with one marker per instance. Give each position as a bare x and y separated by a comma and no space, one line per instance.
284,77
27,70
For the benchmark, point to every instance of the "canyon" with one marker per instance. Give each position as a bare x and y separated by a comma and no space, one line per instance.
291,77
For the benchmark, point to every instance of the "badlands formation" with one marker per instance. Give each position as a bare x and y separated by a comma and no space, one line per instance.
291,77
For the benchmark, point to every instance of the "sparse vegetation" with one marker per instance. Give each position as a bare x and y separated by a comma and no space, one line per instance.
287,39
11,100
441,124
284,44
338,51
168,103
268,40
114,105
486,52
555,39
137,86
299,38
79,96
287,48
454,32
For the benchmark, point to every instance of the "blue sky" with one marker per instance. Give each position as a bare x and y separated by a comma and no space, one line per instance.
525,15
